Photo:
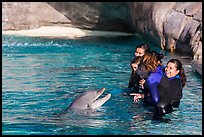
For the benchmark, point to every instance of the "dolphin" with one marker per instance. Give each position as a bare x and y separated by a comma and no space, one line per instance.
88,100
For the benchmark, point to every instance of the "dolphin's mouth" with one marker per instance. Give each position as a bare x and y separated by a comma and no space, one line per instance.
99,93
99,102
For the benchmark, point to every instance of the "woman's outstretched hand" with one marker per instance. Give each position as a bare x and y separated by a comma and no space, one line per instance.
137,96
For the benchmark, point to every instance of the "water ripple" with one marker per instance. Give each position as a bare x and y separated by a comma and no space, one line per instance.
40,78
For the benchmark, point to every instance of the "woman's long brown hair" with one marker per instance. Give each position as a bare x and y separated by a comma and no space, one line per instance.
150,61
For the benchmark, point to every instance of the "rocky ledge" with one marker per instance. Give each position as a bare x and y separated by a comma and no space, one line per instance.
175,26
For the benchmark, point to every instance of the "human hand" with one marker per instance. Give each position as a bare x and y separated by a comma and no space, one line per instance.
141,83
134,67
137,96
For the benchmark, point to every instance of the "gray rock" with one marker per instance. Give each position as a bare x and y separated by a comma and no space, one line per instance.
171,25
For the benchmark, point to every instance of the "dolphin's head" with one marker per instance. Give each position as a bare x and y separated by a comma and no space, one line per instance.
88,100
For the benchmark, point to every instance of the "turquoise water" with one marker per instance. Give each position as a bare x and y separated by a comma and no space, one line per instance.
41,77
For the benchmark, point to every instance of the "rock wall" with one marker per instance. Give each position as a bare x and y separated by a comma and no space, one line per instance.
30,15
108,16
175,26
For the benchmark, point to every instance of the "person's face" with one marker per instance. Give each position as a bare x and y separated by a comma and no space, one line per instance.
171,70
139,52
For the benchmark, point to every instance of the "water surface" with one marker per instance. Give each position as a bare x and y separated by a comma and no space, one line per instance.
41,77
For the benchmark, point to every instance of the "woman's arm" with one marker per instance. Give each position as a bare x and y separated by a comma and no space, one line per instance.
153,80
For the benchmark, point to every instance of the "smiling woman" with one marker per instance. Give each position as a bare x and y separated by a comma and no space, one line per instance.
173,68
159,85
175,72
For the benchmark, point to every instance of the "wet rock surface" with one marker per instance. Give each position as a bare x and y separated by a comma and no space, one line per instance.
175,26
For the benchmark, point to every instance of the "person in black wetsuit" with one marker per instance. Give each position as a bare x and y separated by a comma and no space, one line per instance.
165,87
176,74
134,77
142,81
159,85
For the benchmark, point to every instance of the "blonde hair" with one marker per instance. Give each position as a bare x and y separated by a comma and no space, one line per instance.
150,61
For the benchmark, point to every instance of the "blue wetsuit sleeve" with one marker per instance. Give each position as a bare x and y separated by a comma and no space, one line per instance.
153,81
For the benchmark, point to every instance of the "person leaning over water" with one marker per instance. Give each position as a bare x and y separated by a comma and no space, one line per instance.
143,84
176,74
135,63
134,78
159,85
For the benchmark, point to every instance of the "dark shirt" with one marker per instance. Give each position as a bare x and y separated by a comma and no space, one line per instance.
176,89
134,82
134,79
160,91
